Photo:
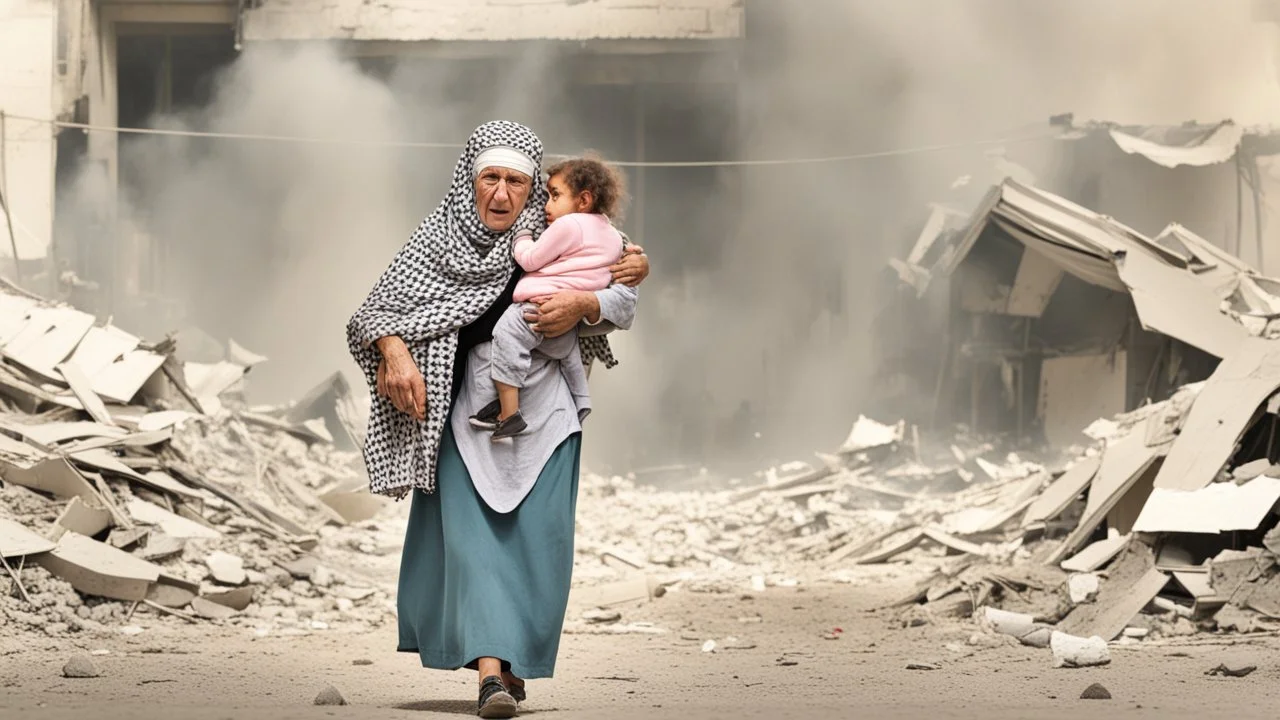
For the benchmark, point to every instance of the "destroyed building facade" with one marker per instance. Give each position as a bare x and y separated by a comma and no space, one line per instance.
653,69
1035,309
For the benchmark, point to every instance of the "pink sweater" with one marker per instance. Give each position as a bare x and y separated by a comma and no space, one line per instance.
573,254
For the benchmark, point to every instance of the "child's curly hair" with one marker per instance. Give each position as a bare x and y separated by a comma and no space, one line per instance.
591,174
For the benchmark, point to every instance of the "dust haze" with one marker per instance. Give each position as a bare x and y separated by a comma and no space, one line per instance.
753,343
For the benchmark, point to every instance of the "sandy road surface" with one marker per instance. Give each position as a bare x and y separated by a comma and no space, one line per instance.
173,672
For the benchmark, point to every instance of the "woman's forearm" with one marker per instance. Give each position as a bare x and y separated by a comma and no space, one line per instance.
391,346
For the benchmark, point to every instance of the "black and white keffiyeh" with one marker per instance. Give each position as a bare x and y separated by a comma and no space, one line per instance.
452,269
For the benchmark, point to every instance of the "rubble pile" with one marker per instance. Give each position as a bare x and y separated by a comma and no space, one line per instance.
134,485
873,500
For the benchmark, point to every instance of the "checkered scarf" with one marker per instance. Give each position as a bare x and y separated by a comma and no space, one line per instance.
452,269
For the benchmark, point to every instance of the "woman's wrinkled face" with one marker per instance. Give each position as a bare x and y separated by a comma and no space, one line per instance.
500,196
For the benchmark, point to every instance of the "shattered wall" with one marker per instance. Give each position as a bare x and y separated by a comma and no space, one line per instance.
27,89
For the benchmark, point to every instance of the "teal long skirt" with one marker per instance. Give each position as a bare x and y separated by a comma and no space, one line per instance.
475,583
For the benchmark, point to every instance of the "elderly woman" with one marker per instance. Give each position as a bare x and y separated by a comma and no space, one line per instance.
488,554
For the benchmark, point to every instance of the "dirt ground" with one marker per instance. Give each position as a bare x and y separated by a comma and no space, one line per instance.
172,671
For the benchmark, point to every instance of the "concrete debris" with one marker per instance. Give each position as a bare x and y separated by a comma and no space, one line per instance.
1070,651
132,483
81,666
226,568
1083,587
1095,692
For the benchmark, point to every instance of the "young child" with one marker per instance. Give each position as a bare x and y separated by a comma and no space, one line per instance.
574,253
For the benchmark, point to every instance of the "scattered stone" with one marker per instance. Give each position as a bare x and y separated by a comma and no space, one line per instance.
1095,692
80,666
598,615
330,696
709,646
1235,671
1136,633
923,666
211,610
362,662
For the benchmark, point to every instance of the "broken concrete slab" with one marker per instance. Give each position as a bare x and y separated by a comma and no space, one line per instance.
172,592
1058,496
1221,414
173,525
49,434
55,476
1124,464
16,540
123,379
1134,581
211,610
159,546
81,517
48,338
96,568
237,599
83,389
1217,508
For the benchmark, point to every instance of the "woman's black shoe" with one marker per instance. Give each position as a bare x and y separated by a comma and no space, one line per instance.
495,701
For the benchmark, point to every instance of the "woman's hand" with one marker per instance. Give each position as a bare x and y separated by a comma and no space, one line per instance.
400,379
563,311
633,268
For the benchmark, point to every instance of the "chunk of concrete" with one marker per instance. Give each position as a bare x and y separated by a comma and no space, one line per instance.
1070,651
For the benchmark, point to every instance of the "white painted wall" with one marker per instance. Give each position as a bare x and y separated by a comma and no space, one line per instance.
416,20
27,88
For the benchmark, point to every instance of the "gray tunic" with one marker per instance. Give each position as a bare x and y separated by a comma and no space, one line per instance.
503,473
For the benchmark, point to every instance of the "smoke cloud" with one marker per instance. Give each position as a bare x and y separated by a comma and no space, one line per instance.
752,344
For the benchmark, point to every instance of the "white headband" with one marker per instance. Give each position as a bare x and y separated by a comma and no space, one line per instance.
507,157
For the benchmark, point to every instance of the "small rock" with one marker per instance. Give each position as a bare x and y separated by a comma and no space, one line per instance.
321,576
361,663
601,616
923,666
80,666
1136,633
1236,671
330,696
1095,692
1082,587
709,646
226,568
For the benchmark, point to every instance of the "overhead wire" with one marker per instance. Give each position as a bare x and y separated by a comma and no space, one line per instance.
852,157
